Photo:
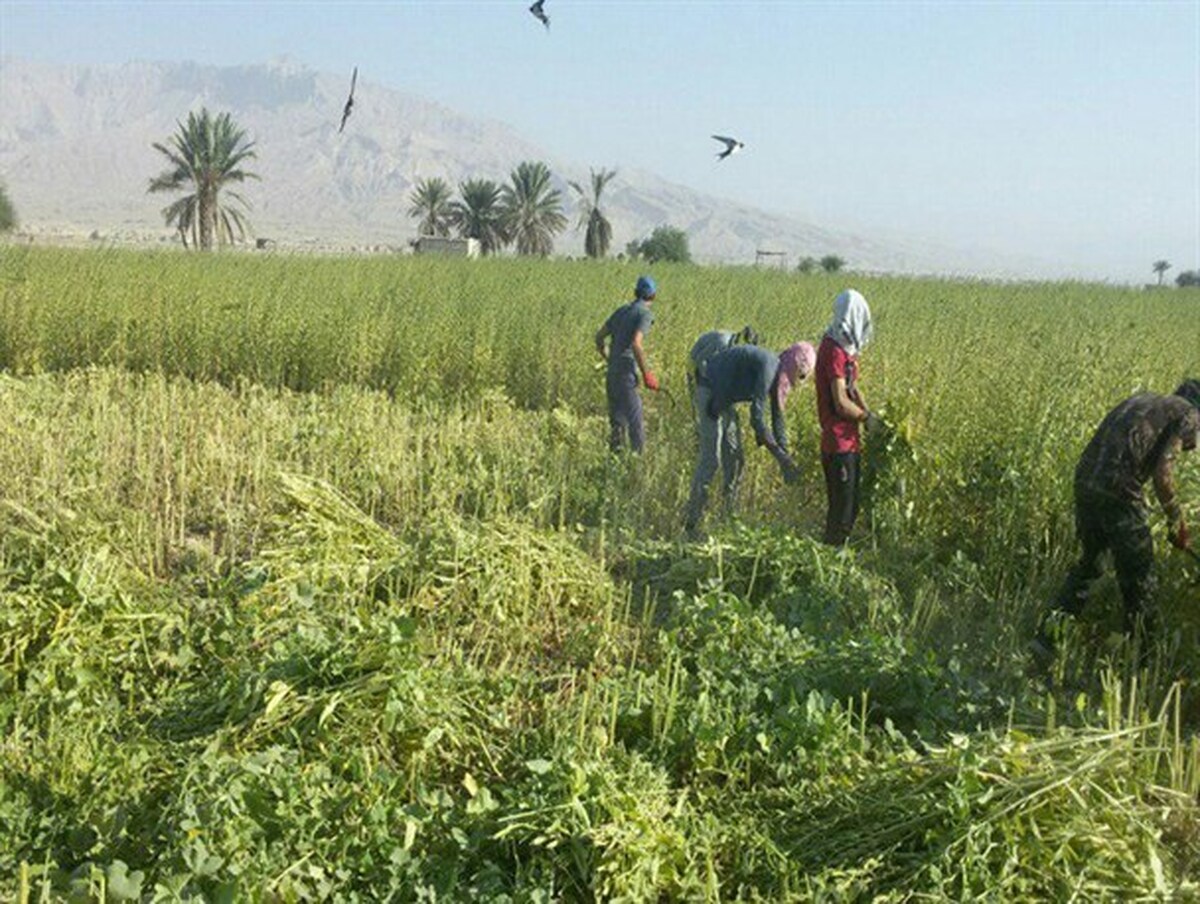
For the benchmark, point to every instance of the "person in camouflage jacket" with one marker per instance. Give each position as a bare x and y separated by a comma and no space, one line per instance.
1137,441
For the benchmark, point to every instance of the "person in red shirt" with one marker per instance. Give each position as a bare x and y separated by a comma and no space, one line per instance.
841,408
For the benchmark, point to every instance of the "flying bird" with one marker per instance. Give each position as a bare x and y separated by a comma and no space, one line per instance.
349,101
540,14
732,146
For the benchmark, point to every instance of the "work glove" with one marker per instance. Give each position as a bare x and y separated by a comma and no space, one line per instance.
1180,538
874,423
651,380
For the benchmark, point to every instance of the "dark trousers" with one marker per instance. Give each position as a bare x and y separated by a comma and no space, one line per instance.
1120,527
624,412
841,488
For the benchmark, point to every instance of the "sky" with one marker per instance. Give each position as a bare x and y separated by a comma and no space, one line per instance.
1066,132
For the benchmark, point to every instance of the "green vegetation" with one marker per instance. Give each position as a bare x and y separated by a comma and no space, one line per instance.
430,202
206,155
8,213
831,263
666,243
318,582
476,214
525,212
531,209
598,234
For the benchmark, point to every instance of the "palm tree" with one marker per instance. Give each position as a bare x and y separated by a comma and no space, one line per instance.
531,210
431,202
599,231
206,154
182,215
1161,267
477,214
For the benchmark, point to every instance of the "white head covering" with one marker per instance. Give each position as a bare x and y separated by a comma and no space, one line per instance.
851,327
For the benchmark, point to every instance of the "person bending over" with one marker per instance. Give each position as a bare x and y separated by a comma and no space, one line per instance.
1137,441
744,373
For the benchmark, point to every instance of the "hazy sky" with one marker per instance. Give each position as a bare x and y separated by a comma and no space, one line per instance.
1067,131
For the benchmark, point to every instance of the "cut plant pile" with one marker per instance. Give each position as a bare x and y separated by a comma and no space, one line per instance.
284,617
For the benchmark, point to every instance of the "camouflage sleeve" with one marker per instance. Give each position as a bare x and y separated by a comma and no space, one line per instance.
1191,430
1164,481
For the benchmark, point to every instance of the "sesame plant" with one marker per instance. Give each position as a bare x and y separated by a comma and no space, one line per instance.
318,582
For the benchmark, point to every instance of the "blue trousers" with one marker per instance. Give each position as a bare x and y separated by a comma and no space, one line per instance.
624,412
720,446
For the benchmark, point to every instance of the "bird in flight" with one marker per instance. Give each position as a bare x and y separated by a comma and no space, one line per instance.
732,146
540,14
349,101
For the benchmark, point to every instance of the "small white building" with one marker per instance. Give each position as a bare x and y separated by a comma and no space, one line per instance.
447,246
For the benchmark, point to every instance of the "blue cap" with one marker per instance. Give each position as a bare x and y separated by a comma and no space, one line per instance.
645,287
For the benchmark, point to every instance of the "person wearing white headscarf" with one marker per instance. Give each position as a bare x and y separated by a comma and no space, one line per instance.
841,408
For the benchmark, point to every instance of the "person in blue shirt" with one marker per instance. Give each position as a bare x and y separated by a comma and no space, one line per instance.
711,343
743,373
625,329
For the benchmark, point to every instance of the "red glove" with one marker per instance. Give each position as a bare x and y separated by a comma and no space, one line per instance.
651,380
1180,539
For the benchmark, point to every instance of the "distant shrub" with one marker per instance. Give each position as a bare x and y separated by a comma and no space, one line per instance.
666,243
8,215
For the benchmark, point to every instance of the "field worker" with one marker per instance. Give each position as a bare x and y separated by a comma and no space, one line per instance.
626,327
729,430
743,373
708,345
1137,441
841,408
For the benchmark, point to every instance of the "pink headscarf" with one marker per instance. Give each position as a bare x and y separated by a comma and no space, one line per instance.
795,363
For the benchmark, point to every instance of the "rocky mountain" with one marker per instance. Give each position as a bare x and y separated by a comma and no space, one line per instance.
75,152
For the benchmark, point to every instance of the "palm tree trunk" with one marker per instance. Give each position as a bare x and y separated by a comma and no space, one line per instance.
206,214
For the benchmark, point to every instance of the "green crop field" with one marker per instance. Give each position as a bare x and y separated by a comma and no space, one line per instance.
318,582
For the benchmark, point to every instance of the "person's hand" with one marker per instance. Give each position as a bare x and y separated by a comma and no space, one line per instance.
791,473
651,381
1180,538
873,423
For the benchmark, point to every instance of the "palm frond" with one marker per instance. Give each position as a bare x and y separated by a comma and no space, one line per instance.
206,153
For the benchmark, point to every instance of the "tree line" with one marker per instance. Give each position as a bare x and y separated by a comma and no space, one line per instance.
207,157
1185,279
526,212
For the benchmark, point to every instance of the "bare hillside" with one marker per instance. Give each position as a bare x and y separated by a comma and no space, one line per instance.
75,151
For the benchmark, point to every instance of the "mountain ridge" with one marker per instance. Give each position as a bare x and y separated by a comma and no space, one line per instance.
76,153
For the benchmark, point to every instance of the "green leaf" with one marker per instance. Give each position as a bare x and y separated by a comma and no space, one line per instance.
120,884
470,784
539,767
